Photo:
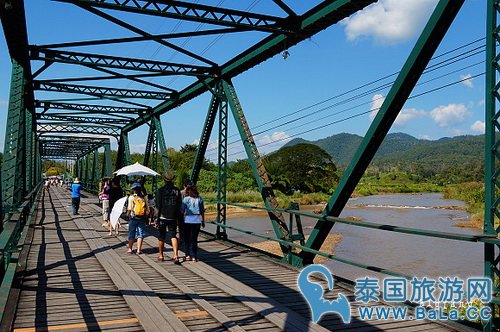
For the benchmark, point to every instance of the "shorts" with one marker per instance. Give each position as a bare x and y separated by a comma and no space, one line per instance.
105,210
167,226
135,225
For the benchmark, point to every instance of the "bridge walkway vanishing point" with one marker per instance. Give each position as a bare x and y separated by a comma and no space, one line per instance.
77,279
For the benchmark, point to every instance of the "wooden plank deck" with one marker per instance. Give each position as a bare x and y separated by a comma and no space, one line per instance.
79,279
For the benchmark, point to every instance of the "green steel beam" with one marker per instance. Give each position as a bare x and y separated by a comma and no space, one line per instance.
429,40
194,12
81,119
160,142
123,157
95,109
77,129
102,91
320,17
222,165
156,37
258,169
149,144
95,171
14,158
145,34
118,62
491,172
205,137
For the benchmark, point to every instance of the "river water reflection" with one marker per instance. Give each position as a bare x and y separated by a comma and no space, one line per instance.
409,254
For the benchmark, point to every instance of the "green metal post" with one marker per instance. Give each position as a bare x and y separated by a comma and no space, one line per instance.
418,59
259,171
160,142
13,166
107,167
123,157
95,171
222,166
205,137
491,173
88,171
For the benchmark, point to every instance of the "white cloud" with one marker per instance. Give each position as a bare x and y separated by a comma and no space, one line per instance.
408,115
137,148
467,80
449,115
276,137
426,137
377,101
478,127
389,21
481,102
196,141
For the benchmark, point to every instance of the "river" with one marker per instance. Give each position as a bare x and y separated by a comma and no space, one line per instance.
404,253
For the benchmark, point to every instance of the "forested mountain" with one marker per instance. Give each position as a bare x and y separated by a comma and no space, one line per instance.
399,146
460,156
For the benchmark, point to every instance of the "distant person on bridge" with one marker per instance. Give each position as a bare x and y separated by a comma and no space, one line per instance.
193,209
76,188
168,203
137,210
104,196
115,193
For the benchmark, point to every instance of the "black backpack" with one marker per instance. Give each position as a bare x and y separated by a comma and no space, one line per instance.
169,205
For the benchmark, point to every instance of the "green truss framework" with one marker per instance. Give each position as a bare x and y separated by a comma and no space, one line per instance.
47,121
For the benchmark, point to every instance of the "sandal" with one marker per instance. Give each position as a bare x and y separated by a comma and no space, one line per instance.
139,253
160,259
177,261
130,252
188,258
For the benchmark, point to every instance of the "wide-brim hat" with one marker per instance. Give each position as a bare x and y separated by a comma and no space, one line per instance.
76,180
169,176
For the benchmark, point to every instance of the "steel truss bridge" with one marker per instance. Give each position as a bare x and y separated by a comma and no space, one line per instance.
73,116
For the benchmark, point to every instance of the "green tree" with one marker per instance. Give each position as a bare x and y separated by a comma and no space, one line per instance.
303,167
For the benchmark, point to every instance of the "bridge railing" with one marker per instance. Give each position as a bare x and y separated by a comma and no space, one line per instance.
389,228
12,239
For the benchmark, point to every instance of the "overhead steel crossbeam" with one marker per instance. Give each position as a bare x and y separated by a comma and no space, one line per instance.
194,12
96,109
77,129
117,62
71,147
102,91
81,119
318,18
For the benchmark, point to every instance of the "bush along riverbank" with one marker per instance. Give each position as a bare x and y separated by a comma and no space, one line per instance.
473,194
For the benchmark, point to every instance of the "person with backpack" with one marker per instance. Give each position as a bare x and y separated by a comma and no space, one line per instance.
168,204
137,211
193,209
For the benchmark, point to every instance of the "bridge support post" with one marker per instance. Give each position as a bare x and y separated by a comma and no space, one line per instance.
222,164
94,186
123,157
259,171
107,168
156,149
418,59
14,159
491,172
205,137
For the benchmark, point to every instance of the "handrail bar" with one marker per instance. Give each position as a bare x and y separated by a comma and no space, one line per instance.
391,228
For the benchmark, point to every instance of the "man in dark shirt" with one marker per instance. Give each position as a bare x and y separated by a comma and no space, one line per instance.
168,203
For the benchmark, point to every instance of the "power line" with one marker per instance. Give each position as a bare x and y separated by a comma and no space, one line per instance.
432,68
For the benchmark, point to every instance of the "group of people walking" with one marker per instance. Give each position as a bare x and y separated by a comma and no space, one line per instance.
178,215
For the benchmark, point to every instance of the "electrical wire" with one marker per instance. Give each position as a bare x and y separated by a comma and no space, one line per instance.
460,57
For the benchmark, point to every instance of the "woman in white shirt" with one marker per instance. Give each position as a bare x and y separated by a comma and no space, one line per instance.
194,217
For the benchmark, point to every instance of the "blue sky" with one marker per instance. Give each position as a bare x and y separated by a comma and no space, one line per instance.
308,88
